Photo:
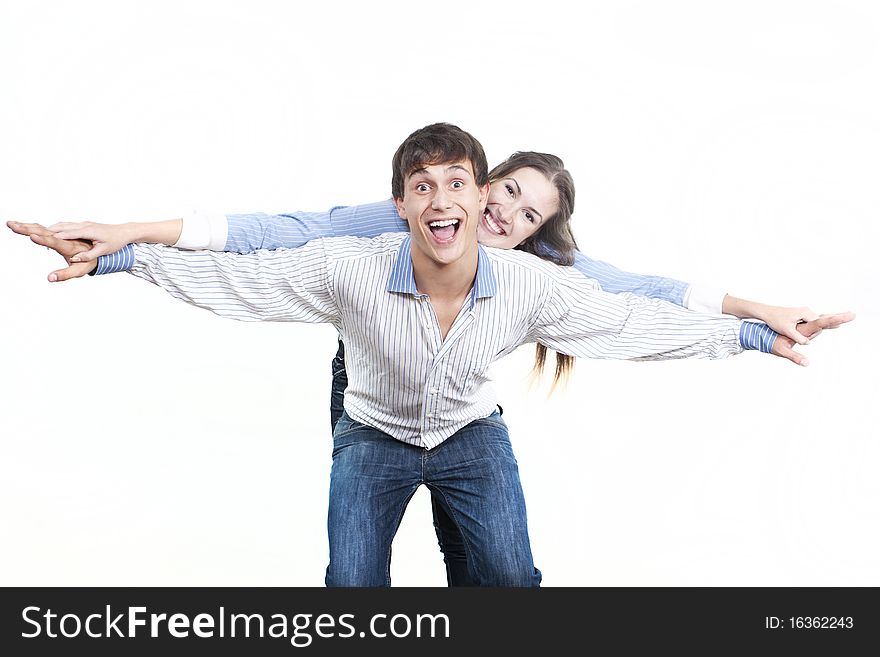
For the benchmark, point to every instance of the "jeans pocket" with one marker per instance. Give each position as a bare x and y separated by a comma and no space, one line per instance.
494,419
349,431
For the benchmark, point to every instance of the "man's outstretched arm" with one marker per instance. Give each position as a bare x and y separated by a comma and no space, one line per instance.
284,285
585,322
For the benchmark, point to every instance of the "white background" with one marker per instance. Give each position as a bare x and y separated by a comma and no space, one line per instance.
145,442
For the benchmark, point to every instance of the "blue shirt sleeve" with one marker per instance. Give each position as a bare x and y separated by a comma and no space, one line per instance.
754,335
257,230
615,280
122,260
250,232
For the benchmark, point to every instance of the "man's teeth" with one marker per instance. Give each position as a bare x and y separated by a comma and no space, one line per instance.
442,224
491,222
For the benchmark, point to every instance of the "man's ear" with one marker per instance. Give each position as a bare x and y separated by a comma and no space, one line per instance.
484,196
399,203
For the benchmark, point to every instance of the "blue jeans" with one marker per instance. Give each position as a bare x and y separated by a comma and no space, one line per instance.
448,536
473,475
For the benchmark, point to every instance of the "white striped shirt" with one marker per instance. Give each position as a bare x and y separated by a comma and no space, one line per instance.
403,378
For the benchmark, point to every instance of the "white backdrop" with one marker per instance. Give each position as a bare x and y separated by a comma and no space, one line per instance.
146,442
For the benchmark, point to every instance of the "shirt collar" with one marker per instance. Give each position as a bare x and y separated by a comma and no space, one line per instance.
403,280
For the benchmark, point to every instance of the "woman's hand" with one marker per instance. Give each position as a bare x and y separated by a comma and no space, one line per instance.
105,238
783,320
789,322
109,238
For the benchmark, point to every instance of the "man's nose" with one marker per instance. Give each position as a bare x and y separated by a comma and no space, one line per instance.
441,200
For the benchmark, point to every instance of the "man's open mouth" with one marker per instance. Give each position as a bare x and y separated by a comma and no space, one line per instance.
491,224
444,230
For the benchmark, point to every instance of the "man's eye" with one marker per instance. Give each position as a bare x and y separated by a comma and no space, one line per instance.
421,187
457,184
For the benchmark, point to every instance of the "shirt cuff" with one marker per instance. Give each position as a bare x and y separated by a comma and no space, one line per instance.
704,299
753,335
122,260
204,231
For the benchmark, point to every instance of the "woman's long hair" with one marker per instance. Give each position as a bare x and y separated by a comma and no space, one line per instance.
554,240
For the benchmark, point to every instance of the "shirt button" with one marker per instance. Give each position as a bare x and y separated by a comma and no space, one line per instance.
434,391
429,415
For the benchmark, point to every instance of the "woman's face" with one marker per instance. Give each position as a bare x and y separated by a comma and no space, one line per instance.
518,206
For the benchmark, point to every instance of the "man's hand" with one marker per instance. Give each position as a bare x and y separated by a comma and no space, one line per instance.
66,248
783,346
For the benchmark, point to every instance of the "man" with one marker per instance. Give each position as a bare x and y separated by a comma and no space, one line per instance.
423,316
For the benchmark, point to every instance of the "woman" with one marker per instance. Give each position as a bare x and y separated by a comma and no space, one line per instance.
530,203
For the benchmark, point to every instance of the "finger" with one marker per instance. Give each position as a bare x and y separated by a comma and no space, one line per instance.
787,352
833,321
91,254
792,333
47,240
73,234
27,229
42,240
815,326
805,315
808,315
66,248
67,225
73,271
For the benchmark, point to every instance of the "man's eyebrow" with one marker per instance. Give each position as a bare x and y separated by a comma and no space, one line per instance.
423,171
519,193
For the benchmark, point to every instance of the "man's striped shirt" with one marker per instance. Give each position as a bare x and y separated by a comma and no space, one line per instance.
403,378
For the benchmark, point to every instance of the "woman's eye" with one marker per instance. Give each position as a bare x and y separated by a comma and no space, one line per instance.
530,217
509,189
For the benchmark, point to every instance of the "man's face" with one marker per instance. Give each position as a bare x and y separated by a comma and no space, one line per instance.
443,204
